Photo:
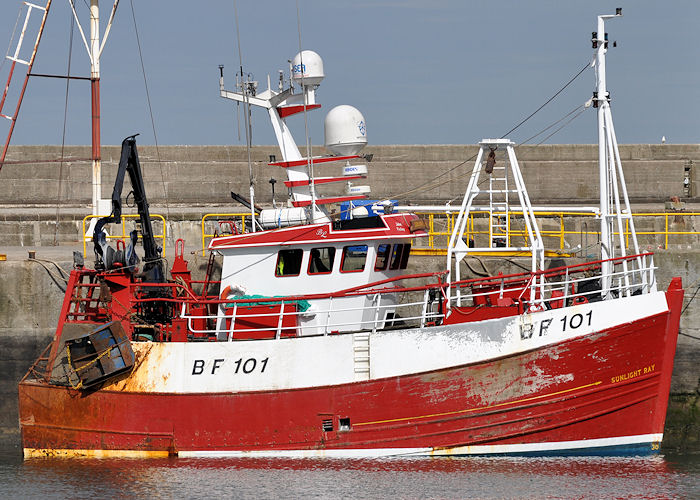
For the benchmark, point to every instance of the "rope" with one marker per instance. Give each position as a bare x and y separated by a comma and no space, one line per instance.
150,111
687,335
63,138
690,300
56,279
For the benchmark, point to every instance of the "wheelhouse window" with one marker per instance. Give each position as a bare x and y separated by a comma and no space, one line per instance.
405,255
289,262
354,258
321,260
399,256
396,256
382,257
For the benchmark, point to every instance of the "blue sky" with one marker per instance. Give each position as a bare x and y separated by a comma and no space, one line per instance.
421,72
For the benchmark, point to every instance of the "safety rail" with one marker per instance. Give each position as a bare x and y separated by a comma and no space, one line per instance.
631,275
154,217
223,218
438,236
385,304
499,296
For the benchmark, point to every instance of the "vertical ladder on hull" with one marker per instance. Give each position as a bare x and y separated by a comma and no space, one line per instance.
360,352
23,58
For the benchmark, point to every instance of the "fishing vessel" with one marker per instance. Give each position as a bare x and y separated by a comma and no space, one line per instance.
317,342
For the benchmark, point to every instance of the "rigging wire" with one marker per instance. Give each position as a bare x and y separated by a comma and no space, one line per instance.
12,37
564,125
63,138
150,111
309,155
247,118
430,184
548,100
552,124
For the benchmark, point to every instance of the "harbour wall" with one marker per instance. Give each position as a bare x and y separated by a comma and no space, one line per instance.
419,174
43,200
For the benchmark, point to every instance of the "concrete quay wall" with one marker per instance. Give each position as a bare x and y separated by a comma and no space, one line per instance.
419,174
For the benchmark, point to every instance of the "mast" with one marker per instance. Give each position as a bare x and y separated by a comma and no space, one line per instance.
614,201
95,104
94,50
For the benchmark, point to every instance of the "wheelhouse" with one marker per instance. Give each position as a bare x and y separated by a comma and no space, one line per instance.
318,259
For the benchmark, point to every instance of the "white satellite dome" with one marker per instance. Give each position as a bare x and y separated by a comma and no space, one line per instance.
345,130
307,65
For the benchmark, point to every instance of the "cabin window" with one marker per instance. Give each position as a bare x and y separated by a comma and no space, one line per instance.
405,255
289,262
321,260
382,257
399,257
354,258
396,256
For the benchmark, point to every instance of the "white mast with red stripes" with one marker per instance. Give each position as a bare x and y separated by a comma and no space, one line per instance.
94,49
307,72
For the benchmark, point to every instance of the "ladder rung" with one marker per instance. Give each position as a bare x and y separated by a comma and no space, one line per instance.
35,6
16,59
8,117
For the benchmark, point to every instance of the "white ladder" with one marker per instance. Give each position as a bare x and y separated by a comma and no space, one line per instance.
21,57
500,210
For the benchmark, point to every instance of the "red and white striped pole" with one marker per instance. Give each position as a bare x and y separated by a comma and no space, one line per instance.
95,105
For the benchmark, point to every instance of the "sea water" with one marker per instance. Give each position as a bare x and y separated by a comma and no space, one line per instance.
470,477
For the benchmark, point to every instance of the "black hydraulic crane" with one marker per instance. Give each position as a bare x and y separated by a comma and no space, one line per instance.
106,256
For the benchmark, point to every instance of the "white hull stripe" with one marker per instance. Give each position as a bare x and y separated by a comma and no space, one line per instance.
505,449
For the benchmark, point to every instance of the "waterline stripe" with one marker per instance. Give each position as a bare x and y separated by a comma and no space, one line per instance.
592,445
68,453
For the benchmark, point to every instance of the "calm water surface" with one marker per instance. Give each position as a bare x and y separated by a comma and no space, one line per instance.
652,477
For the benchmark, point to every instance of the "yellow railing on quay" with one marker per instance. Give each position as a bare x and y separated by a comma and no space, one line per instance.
441,225
222,219
124,234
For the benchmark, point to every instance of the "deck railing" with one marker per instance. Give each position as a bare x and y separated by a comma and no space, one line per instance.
421,305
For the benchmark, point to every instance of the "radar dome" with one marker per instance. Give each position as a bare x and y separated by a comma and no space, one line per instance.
307,65
345,130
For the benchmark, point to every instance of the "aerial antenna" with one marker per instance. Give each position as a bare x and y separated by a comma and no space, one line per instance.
309,156
246,117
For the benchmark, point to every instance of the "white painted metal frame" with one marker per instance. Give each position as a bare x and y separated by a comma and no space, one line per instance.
270,100
458,248
612,180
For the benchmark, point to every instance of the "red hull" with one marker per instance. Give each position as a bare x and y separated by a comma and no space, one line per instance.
606,385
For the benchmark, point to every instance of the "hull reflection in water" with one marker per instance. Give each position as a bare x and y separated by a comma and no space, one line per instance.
648,477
